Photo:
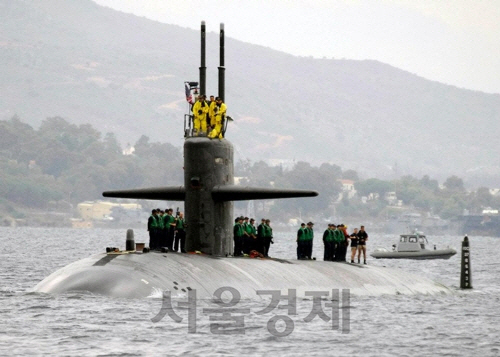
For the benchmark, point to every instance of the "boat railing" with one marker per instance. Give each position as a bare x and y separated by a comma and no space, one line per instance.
188,125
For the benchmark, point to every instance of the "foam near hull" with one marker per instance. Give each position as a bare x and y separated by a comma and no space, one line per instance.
143,275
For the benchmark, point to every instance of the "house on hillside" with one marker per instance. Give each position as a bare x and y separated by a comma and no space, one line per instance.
495,191
392,199
348,189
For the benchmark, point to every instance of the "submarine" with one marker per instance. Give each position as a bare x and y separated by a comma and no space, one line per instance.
208,194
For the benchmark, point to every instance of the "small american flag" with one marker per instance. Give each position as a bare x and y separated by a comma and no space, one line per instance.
189,96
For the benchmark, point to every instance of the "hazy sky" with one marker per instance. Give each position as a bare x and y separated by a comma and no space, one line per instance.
449,41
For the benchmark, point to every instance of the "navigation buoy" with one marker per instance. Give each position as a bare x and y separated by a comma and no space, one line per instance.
465,273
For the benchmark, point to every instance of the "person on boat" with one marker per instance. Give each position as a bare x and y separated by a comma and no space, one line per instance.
200,111
301,236
308,244
329,243
180,234
354,244
247,236
162,233
169,226
363,237
260,236
345,244
238,233
268,237
153,229
334,242
339,239
253,235
220,114
211,112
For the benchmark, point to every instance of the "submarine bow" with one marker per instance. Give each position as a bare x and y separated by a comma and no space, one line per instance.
147,275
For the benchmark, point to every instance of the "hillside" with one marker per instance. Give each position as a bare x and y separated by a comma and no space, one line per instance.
125,74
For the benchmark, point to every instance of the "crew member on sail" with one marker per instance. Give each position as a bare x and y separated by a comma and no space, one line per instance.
200,111
220,114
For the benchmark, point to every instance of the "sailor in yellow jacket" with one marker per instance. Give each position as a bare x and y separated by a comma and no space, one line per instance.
200,110
211,111
220,113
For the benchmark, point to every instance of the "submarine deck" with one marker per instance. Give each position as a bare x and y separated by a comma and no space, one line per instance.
139,275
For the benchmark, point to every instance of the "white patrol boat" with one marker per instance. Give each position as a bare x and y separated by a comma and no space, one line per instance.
413,246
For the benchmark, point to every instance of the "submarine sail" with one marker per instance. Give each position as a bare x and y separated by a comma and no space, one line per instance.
209,188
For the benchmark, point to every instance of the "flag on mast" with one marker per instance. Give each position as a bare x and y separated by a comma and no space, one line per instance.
189,96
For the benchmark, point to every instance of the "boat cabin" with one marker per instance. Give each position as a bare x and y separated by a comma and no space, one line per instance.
411,243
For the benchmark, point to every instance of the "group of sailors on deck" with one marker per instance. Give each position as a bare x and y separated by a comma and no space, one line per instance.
252,241
336,241
167,230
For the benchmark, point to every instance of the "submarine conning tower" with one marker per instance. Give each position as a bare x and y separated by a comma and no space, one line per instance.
209,188
207,164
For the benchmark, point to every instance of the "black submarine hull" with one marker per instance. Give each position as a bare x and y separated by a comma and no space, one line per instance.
141,275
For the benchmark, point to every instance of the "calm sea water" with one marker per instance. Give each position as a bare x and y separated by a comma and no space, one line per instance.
464,323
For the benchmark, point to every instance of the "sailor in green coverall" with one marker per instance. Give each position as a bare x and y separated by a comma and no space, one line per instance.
153,230
268,237
301,237
339,243
169,223
238,233
250,237
328,240
308,244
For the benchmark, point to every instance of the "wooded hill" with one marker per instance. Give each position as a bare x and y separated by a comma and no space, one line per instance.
124,74
55,167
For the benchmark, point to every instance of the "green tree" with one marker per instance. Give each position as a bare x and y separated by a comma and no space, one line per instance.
426,182
453,207
111,146
454,183
350,175
479,200
373,185
304,176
